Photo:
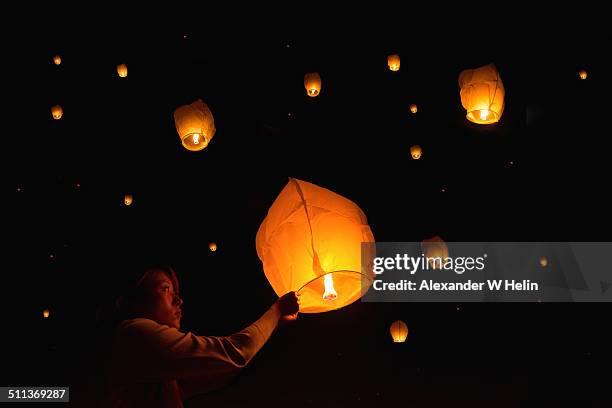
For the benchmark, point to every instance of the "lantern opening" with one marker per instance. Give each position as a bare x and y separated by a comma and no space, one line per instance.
482,116
330,292
346,288
195,141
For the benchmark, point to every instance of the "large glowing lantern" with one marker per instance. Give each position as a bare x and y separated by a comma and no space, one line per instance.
416,152
57,60
310,243
399,331
582,74
195,125
482,94
122,70
57,112
394,62
435,251
312,83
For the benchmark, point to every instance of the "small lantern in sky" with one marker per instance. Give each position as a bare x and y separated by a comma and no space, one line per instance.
583,74
195,125
46,313
414,108
482,94
311,243
57,60
435,251
399,331
212,246
128,199
394,62
543,261
416,152
57,112
312,83
122,70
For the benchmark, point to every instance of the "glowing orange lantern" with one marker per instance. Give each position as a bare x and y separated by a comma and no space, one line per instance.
312,83
127,200
399,331
435,251
46,313
57,112
482,94
310,242
413,108
543,261
394,62
57,60
583,74
212,246
416,152
122,70
195,125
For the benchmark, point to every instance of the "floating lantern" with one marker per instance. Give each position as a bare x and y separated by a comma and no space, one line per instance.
46,313
394,62
436,252
311,243
212,246
128,199
399,331
416,152
482,94
582,74
122,70
413,108
57,60
312,83
57,112
195,125
543,261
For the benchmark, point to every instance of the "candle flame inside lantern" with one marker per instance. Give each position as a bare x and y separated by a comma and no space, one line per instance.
196,138
484,114
330,293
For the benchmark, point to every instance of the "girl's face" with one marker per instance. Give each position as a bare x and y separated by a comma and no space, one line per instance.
162,304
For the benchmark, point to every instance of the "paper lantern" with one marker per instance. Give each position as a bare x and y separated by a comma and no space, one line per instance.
310,242
435,251
57,60
416,152
122,70
127,200
57,112
212,246
394,62
46,313
413,108
482,94
583,74
312,83
195,125
399,331
543,261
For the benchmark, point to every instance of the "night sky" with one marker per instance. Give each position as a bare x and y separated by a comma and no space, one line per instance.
540,174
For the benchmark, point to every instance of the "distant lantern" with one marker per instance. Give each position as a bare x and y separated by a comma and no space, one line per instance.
312,83
543,261
399,331
394,62
195,125
122,70
311,242
57,60
128,199
435,251
46,313
416,152
57,112
212,246
583,74
413,108
482,94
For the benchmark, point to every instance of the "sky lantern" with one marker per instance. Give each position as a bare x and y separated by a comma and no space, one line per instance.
399,331
416,152
582,74
57,60
414,108
46,313
122,70
212,246
543,261
57,112
312,83
195,125
394,62
436,252
482,94
311,242
128,199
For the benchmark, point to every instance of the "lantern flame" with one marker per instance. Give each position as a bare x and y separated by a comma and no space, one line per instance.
196,138
484,114
330,292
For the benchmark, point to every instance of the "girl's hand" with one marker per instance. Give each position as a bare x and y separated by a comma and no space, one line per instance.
289,306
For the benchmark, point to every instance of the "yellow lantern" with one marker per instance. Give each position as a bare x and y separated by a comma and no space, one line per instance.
482,94
127,200
122,70
394,62
46,313
57,112
399,331
195,125
413,108
435,251
583,74
543,261
416,152
312,83
57,60
311,243
212,246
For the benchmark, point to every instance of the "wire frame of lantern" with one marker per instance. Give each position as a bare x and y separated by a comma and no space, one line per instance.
312,83
393,61
482,94
399,331
195,125
57,112
122,70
